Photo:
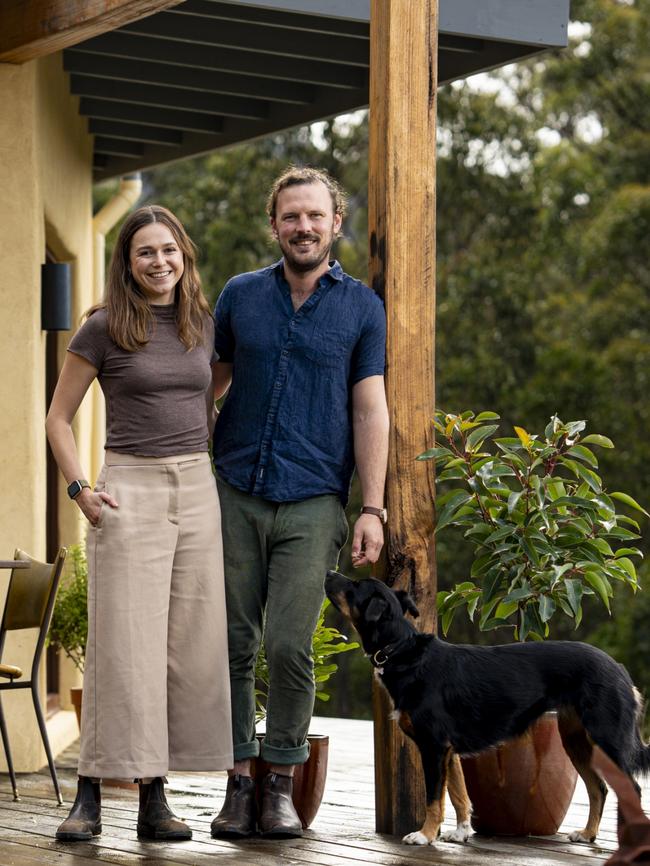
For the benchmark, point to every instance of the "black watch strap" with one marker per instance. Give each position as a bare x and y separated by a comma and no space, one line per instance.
76,487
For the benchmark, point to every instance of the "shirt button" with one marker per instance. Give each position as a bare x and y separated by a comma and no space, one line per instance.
284,353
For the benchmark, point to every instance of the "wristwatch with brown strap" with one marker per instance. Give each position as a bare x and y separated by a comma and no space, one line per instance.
381,513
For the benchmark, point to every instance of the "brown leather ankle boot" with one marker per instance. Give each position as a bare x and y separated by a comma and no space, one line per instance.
238,815
155,819
279,817
85,818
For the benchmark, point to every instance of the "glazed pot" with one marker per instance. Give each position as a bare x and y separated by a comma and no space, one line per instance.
523,787
308,778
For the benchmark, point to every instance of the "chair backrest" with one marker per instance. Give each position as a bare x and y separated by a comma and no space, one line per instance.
31,592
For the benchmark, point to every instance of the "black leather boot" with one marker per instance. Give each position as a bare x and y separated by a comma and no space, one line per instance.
279,817
238,815
85,818
155,819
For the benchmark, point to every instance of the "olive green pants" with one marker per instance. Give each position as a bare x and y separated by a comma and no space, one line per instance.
276,556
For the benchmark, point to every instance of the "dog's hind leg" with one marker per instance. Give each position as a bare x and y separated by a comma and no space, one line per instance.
435,761
579,747
460,801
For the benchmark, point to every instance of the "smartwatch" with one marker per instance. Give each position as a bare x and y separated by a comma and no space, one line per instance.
76,487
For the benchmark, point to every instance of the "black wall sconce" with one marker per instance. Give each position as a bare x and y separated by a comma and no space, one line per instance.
56,297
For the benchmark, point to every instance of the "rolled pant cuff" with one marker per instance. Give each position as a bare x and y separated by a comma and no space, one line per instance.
279,755
243,751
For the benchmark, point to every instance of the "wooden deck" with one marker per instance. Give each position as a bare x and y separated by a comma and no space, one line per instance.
342,834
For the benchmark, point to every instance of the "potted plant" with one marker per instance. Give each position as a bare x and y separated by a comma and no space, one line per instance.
308,778
69,625
546,535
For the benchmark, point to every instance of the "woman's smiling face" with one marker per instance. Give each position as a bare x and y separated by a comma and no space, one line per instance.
156,262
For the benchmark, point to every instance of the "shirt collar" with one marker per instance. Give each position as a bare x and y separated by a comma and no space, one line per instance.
335,272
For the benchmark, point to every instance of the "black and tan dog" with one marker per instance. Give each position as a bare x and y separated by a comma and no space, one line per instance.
460,700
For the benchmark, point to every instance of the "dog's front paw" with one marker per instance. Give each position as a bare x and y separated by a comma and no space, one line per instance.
417,838
460,833
581,836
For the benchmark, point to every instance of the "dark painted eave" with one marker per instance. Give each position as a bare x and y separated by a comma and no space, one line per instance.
210,73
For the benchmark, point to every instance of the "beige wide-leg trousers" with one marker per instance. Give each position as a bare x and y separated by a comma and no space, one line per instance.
156,685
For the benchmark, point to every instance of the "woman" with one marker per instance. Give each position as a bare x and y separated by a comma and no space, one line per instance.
156,685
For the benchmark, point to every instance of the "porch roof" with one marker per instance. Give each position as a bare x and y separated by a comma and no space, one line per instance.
209,73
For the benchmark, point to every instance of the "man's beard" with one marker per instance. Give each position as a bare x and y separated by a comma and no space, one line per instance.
311,263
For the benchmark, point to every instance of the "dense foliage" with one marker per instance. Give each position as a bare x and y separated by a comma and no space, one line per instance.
545,532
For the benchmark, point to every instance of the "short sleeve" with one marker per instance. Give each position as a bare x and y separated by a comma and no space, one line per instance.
91,340
224,341
369,358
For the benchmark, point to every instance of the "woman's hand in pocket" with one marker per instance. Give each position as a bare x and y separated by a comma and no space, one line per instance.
91,504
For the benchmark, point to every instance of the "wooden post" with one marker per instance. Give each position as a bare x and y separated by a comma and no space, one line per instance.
401,217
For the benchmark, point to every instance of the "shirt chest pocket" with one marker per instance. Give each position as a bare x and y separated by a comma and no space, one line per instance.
329,348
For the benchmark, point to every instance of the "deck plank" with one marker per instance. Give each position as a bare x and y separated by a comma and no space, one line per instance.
343,832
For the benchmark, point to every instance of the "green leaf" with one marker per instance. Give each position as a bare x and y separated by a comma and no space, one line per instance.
499,534
518,594
623,534
546,608
529,549
574,593
479,435
573,427
505,609
595,580
453,474
628,566
628,551
481,564
447,619
436,453
597,439
623,518
495,622
623,497
488,416
491,585
458,499
583,453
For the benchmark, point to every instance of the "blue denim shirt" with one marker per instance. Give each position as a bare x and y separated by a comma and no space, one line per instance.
285,430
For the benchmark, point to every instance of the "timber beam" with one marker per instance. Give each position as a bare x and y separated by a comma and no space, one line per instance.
402,228
34,28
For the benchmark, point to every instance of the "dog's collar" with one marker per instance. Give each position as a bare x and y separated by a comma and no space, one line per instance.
385,654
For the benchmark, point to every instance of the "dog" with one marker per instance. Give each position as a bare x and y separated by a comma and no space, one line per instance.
454,700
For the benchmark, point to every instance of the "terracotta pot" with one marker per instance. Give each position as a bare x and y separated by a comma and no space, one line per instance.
75,699
524,786
308,778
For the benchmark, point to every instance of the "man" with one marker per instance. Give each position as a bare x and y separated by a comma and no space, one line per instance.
302,349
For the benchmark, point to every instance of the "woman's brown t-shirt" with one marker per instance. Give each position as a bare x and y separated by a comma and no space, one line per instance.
156,398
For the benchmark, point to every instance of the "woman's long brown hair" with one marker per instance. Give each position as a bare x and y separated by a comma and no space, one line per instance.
129,315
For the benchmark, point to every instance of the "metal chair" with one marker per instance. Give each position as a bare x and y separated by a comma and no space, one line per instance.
29,604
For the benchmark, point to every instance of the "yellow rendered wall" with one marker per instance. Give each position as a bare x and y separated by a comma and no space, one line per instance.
45,199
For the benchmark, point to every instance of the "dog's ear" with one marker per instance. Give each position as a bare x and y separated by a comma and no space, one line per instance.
407,603
375,609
